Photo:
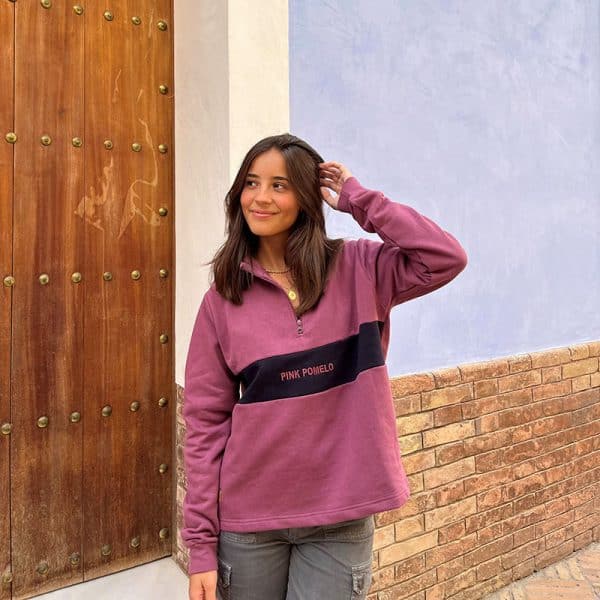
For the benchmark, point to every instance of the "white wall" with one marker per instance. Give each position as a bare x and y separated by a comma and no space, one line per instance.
231,89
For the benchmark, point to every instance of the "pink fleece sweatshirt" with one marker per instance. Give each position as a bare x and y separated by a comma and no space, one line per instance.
290,422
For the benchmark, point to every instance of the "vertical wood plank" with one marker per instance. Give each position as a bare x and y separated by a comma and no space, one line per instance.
127,501
47,371
7,26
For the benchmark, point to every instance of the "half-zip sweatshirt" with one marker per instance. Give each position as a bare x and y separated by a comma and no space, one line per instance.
290,420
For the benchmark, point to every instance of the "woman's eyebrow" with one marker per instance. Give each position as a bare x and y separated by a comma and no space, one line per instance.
274,177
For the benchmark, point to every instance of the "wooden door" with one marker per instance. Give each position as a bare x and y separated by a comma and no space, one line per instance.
6,195
89,320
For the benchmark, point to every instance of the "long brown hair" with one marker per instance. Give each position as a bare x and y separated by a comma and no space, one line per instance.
309,253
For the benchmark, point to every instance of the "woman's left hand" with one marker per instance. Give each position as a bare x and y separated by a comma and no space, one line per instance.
332,177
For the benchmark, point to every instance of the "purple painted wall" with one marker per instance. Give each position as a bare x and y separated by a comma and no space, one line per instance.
486,118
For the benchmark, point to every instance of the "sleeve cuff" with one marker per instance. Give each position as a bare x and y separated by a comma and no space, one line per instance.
203,558
349,187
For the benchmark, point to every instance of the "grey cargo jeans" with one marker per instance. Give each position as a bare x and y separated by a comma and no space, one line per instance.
326,562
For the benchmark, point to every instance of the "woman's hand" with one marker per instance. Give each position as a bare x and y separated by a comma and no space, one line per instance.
203,586
332,176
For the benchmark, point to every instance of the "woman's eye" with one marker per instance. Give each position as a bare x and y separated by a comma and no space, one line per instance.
249,182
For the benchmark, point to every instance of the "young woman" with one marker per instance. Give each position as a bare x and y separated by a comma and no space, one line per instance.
291,444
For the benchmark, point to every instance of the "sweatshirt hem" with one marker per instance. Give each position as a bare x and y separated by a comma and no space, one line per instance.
354,511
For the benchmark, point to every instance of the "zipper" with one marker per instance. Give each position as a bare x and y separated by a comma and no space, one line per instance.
299,323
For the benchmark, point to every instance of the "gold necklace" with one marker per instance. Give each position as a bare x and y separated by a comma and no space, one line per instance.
292,295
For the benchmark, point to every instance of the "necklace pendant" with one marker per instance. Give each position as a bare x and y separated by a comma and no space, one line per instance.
292,295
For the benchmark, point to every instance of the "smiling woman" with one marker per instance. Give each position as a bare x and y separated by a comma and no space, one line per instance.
279,463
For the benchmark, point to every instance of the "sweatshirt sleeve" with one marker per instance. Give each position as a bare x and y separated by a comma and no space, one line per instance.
416,256
210,394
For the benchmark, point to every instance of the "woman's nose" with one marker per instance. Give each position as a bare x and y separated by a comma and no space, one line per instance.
262,193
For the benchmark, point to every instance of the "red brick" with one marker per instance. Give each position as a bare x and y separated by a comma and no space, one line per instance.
450,569
448,433
523,451
520,380
573,500
485,387
484,370
487,423
461,582
526,502
551,390
579,351
524,519
451,532
485,481
523,536
448,514
519,415
488,569
580,367
490,533
410,567
551,424
487,517
411,384
450,452
446,377
409,527
401,550
442,554
446,396
518,363
521,433
556,457
486,442
413,423
583,539
553,555
546,358
522,553
483,553
581,399
524,469
523,486
489,461
550,374
553,406
523,569
419,461
490,499
483,406
409,588
407,405
451,472
446,415
452,492
583,382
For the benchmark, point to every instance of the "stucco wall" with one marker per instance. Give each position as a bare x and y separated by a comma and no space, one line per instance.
231,89
486,118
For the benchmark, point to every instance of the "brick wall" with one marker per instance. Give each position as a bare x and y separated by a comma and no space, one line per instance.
503,459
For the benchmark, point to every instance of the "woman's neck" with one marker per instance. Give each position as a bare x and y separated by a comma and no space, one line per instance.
271,253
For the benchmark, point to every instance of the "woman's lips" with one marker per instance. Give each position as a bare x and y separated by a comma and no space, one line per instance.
261,215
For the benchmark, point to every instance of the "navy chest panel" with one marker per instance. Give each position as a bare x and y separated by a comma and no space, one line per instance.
314,370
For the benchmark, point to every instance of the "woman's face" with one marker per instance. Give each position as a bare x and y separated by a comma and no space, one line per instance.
269,202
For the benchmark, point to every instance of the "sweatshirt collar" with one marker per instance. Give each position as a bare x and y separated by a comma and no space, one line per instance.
254,267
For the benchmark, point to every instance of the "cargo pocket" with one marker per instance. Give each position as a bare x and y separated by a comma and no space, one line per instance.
223,579
361,580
